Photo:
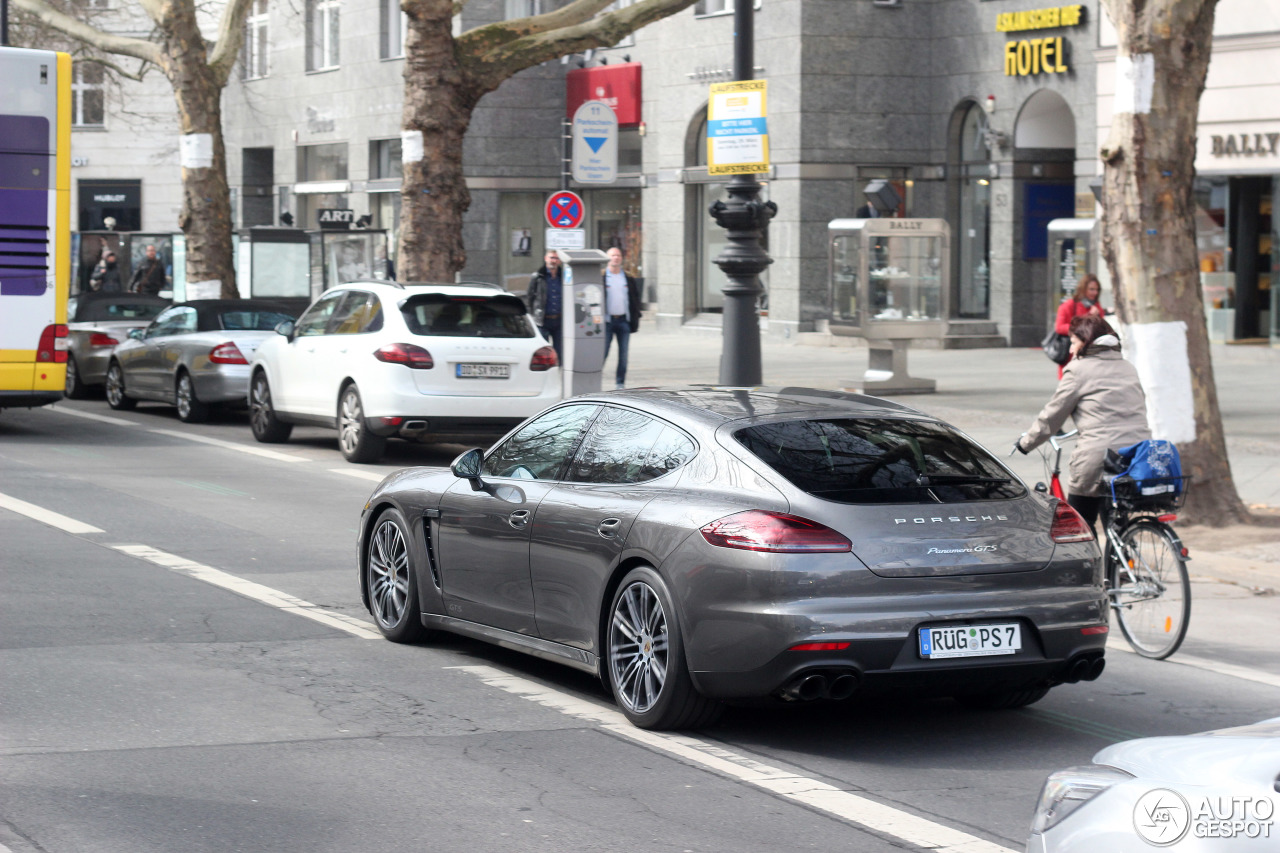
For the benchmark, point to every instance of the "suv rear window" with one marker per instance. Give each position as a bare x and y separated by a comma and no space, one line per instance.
880,460
498,316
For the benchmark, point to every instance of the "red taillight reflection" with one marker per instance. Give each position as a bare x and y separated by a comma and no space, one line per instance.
774,532
819,647
1068,526
544,359
227,353
53,344
98,339
1096,629
410,355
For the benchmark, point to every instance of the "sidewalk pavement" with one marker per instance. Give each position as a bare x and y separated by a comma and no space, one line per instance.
995,394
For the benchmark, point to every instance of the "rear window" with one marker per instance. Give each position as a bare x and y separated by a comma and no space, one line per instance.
880,460
499,316
252,321
99,311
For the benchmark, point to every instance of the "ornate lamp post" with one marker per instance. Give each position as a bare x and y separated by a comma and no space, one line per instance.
744,216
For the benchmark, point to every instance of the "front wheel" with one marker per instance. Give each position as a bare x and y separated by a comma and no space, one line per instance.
190,409
1152,599
116,397
392,580
357,442
267,428
645,664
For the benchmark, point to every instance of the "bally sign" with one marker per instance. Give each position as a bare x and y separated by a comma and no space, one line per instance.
339,218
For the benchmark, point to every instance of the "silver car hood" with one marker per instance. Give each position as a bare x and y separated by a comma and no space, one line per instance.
1249,754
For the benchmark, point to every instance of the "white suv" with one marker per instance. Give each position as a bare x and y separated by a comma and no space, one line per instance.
431,362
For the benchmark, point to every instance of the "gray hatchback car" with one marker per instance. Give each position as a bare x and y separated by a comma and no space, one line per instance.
694,545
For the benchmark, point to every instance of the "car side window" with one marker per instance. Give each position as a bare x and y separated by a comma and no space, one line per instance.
541,448
625,446
359,312
316,319
174,321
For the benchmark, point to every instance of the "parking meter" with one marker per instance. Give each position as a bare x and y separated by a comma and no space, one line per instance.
582,329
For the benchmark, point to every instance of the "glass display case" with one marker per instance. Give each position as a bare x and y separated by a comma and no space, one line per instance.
343,256
889,277
1072,256
273,261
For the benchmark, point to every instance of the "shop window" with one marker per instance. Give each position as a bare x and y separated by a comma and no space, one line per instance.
394,25
320,163
384,159
521,226
254,60
630,149
704,8
513,9
972,243
88,95
617,223
322,34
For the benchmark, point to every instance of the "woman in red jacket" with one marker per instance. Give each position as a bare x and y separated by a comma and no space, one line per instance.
1083,302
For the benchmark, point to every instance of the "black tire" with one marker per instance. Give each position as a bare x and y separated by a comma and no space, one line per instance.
76,390
355,440
116,396
644,660
267,428
190,409
391,579
1154,607
1002,700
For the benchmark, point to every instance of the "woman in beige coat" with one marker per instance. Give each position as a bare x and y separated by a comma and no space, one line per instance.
1101,392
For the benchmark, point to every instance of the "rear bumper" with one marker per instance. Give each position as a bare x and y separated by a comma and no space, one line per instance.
228,383
463,430
28,399
91,365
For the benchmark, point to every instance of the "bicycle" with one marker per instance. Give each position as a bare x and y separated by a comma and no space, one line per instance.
1146,562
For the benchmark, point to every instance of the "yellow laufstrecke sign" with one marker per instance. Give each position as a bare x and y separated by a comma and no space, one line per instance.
737,128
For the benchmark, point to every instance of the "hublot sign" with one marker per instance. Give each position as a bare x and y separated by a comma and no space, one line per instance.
1245,144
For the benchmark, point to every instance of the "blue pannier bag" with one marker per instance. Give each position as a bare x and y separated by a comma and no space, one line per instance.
1149,472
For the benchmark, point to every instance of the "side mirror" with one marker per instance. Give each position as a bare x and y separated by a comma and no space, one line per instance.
286,328
467,467
1042,488
137,334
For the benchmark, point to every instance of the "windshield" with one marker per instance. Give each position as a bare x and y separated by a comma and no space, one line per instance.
498,316
880,460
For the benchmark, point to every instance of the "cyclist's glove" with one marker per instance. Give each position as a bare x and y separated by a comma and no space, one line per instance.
1017,445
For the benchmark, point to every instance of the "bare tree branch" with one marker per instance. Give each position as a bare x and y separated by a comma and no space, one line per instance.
120,69
230,38
566,16
138,48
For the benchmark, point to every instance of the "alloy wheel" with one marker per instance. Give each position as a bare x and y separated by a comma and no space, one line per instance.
115,386
638,647
350,421
388,574
260,405
184,395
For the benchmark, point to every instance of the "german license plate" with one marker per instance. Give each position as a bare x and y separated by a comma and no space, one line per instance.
484,371
967,641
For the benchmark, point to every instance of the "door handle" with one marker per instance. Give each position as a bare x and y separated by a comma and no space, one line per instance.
609,527
519,518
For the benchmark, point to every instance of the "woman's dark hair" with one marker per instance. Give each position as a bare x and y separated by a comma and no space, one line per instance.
1082,289
1089,328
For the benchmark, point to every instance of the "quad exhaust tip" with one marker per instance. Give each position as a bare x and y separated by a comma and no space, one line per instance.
1084,669
811,686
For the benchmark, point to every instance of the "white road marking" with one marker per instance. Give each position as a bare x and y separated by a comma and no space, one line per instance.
355,472
877,817
93,416
1115,644
232,445
47,516
249,589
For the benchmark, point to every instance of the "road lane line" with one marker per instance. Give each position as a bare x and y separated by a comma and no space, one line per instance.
93,416
47,516
232,445
874,816
1219,667
363,475
249,589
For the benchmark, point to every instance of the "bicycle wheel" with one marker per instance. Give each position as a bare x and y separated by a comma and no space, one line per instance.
1153,599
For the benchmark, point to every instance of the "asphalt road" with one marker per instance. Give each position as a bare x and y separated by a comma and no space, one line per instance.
186,666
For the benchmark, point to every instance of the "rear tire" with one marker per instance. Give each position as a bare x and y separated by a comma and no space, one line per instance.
357,443
116,396
1002,700
1154,626
76,389
190,409
267,428
391,580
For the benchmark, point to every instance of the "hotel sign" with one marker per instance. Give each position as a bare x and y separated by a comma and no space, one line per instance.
1027,57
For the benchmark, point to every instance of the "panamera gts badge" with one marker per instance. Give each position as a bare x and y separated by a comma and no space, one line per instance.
976,549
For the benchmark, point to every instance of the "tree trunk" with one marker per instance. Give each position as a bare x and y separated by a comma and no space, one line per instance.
206,198
1149,236
438,101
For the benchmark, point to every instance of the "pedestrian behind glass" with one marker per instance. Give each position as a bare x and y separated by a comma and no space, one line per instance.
544,299
106,275
622,304
149,277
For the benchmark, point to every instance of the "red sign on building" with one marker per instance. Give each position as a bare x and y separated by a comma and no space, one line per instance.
616,85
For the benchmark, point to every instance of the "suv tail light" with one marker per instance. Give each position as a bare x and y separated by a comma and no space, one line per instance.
1068,526
544,359
774,532
99,339
227,353
410,355
53,344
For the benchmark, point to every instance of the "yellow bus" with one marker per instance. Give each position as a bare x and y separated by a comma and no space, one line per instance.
35,224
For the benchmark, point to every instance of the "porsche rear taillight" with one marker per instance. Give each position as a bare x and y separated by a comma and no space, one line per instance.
1068,526
53,344
544,359
775,533
227,353
410,355
98,339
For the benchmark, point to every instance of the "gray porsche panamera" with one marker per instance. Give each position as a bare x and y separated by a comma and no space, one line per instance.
694,545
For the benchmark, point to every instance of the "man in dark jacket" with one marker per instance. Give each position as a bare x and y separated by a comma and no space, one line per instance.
622,311
106,275
544,299
149,277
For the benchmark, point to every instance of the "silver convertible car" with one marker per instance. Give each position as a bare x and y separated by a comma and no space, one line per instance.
96,323
692,545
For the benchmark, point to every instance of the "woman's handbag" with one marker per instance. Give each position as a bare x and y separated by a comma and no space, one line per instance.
1057,347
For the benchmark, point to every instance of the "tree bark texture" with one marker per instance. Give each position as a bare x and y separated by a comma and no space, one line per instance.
1148,235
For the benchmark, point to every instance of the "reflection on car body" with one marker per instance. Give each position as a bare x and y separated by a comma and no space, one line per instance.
694,545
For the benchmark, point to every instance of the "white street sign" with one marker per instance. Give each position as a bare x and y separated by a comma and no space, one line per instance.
565,238
595,144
